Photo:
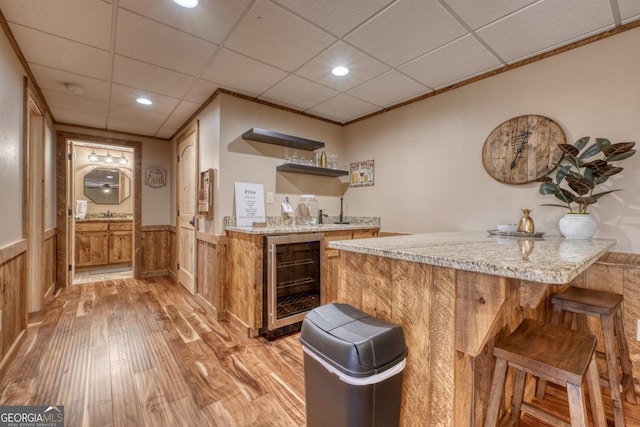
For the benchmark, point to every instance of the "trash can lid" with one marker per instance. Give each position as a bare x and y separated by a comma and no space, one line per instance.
352,341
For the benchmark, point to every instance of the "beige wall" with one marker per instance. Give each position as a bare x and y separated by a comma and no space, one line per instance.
429,173
222,148
11,122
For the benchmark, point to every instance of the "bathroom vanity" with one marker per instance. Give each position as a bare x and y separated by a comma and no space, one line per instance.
103,242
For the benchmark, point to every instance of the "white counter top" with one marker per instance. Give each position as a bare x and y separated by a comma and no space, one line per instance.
551,259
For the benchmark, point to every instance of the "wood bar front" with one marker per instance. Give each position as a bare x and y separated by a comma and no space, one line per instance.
451,318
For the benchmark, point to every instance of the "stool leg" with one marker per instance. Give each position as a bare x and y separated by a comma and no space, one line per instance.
576,405
497,389
625,361
518,394
595,394
612,368
558,317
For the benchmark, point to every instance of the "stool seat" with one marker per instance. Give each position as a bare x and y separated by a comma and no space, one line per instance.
557,354
606,306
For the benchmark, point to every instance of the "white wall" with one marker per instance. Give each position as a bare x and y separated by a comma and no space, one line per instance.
11,123
429,173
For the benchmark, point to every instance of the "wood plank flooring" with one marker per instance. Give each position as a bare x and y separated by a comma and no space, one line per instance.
143,353
131,352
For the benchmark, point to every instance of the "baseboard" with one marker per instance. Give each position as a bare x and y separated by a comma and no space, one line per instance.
210,308
155,273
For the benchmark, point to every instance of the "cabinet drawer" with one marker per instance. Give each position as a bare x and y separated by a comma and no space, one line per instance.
92,226
121,226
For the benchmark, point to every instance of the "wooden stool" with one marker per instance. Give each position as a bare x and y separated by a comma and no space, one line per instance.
608,307
557,354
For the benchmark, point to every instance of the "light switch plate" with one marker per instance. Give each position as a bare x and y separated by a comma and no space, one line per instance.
269,197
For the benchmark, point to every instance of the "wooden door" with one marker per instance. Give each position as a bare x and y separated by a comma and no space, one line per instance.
187,167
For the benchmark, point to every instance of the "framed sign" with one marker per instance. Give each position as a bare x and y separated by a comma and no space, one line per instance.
249,204
156,177
205,194
362,173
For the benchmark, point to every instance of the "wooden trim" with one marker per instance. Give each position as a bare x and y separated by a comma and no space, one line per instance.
12,250
150,228
63,204
214,239
154,273
115,132
620,259
51,232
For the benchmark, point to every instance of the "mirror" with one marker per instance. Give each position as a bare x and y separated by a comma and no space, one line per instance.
107,186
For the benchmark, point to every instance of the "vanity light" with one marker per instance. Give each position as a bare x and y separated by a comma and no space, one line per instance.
108,158
340,71
189,4
123,160
93,157
144,101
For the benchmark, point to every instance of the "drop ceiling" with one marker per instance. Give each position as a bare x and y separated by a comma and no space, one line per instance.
279,51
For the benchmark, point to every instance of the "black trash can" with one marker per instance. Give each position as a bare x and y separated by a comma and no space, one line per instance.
353,367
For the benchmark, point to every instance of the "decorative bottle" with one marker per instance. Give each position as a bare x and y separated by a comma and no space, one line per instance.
526,223
323,160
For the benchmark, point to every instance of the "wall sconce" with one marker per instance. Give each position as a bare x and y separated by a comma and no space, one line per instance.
95,158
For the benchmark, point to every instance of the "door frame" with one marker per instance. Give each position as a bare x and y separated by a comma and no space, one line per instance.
194,127
64,206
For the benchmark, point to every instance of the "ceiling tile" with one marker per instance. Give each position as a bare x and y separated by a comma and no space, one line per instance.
124,95
136,114
174,122
201,91
546,25
298,93
629,10
336,16
361,67
87,22
166,132
148,77
186,109
151,42
343,108
478,13
80,118
135,127
75,102
211,20
389,89
52,79
277,37
233,70
456,61
55,52
408,29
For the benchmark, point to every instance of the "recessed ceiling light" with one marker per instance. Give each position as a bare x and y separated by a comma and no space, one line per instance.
144,101
187,3
340,71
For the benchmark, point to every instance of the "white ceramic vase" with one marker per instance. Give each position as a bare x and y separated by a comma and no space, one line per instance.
578,226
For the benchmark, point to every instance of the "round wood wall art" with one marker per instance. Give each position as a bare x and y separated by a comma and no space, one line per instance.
523,149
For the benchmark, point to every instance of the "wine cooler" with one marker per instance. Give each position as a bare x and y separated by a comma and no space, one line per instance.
292,281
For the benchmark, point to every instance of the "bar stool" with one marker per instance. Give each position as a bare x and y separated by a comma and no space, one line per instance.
608,307
557,354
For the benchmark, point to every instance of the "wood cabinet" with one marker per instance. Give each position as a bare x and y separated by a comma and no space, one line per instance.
100,243
245,284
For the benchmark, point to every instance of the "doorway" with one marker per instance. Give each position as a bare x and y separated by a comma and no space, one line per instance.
101,227
98,208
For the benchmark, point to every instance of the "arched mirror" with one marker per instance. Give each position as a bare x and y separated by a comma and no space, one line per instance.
107,186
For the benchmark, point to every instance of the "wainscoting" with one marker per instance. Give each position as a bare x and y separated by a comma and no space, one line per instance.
156,250
211,273
13,302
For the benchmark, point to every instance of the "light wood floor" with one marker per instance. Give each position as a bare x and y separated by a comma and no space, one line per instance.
143,353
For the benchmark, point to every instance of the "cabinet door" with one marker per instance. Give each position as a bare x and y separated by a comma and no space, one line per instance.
91,248
120,243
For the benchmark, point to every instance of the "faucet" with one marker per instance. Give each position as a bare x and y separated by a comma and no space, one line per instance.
108,215
321,215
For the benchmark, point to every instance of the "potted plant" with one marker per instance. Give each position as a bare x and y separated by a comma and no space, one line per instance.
582,168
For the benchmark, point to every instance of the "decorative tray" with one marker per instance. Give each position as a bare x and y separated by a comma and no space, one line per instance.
514,233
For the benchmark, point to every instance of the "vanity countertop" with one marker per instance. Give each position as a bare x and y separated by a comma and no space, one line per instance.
104,219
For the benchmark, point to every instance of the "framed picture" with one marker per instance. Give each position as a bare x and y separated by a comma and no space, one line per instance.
362,174
156,177
205,194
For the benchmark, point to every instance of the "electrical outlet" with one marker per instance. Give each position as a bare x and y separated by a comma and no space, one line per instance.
269,197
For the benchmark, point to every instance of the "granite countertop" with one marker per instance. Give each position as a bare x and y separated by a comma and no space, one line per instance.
554,260
104,219
284,229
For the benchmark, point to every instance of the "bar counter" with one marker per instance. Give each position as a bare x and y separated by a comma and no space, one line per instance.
454,294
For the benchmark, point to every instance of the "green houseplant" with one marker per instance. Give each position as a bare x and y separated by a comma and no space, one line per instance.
581,170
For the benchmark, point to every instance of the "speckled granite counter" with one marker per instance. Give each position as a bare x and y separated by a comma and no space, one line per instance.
275,225
553,260
104,219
